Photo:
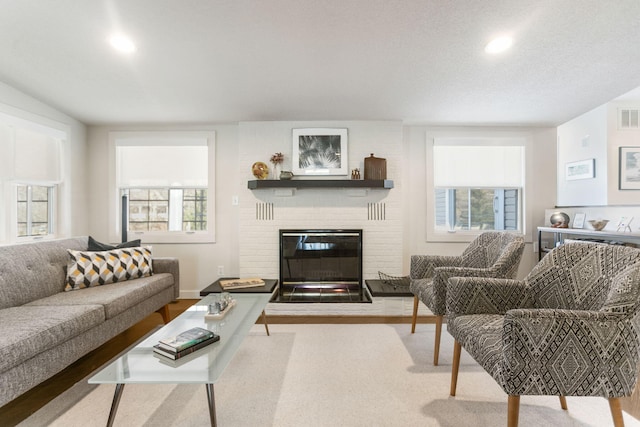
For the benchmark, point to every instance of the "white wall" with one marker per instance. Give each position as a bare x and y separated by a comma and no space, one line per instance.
322,208
198,262
583,138
73,194
246,246
541,163
620,138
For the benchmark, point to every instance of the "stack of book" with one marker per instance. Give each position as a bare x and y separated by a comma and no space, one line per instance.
185,343
251,282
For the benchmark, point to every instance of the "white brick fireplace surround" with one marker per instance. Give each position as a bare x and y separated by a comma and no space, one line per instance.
376,211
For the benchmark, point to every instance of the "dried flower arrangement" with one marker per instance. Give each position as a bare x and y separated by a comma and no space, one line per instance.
277,158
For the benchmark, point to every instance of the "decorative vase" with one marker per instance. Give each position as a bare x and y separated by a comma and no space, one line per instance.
286,175
276,174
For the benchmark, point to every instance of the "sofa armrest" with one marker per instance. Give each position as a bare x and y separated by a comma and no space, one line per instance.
481,295
423,266
169,265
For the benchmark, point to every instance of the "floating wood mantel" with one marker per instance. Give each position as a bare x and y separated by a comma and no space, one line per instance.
320,183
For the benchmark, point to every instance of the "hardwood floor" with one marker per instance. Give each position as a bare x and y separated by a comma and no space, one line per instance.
22,407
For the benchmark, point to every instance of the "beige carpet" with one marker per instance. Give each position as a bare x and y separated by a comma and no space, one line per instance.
328,375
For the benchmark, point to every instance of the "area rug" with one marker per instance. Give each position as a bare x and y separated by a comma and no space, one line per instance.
327,375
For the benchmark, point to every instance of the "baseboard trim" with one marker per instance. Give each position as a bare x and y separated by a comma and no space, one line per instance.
337,319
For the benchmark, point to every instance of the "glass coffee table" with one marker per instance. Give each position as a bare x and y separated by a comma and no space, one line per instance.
140,365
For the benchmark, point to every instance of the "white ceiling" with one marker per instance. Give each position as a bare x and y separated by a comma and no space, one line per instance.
235,60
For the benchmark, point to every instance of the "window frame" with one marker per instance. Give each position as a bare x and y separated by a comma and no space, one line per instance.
51,225
115,199
59,193
435,235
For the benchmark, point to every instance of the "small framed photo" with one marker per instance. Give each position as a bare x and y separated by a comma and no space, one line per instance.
320,151
578,220
584,169
629,178
623,223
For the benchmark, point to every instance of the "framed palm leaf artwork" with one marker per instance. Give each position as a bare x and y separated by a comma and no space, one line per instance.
320,151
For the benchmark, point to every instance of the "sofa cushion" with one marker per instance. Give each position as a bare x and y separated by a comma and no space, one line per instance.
30,330
116,298
87,269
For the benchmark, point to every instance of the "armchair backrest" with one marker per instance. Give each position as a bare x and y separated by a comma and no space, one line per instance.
500,249
587,276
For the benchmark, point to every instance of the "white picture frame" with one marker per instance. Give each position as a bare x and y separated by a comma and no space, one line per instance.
629,168
320,151
623,223
578,220
583,169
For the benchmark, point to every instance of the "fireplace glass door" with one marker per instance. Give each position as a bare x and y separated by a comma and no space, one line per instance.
321,265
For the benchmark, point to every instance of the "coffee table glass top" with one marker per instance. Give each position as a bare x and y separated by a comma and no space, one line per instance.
141,365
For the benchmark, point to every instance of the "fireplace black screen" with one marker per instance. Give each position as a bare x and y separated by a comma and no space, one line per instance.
320,261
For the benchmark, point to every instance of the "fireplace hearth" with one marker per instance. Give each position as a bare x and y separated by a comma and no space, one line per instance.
321,266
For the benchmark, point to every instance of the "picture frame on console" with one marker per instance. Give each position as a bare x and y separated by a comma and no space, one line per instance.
629,168
320,151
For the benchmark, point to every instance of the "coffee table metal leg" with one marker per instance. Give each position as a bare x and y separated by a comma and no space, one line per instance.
264,320
114,405
212,405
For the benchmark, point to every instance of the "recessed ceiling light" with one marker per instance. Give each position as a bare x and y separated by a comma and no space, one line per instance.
122,43
499,44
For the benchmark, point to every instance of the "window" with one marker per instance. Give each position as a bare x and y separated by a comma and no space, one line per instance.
34,211
167,209
478,184
163,186
477,209
30,174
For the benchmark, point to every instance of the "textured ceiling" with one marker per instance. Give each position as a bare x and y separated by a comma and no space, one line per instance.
418,61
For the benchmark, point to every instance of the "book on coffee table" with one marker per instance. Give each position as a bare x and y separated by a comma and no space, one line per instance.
178,354
251,282
185,339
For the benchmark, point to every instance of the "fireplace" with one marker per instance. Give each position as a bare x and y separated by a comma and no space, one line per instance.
321,266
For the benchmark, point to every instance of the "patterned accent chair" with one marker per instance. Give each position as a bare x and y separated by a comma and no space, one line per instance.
491,254
570,328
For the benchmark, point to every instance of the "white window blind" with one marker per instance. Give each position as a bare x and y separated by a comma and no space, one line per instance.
30,154
172,162
478,162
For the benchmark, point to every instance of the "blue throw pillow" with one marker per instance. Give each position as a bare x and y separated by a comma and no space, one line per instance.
95,246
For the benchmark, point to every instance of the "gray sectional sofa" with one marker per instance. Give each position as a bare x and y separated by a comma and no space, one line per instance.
44,329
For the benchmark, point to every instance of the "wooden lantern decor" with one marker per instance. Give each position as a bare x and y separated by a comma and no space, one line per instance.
375,168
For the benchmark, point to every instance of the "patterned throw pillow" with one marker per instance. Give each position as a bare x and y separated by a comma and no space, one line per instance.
87,269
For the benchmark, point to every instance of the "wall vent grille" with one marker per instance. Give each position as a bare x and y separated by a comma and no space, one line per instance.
264,211
628,118
377,211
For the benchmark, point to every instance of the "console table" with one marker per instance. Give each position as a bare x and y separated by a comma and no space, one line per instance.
559,235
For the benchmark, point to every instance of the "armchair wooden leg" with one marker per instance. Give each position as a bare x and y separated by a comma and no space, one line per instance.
415,314
563,402
457,349
513,411
616,411
436,344
164,312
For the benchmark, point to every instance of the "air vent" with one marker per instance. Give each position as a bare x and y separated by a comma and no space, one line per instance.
628,119
377,211
264,211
